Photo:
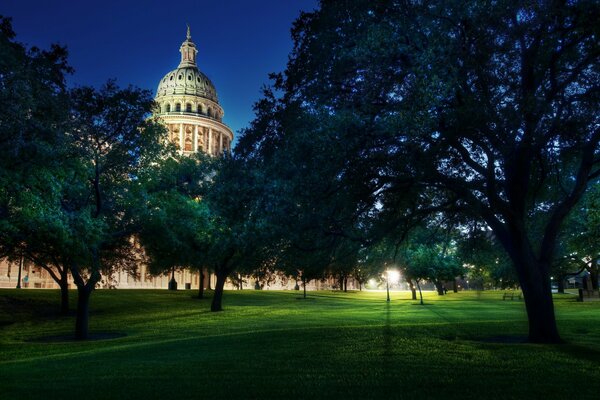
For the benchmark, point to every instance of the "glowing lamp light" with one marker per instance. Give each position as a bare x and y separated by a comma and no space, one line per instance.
393,276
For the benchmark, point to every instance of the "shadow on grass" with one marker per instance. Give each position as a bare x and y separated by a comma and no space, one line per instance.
579,352
92,337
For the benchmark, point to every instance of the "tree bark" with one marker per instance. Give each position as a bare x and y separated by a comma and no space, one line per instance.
345,283
420,293
208,284
83,312
20,272
64,292
216,304
594,275
201,284
304,285
439,287
534,278
454,286
561,284
533,274
84,291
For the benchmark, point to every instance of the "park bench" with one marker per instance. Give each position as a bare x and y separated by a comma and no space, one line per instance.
511,295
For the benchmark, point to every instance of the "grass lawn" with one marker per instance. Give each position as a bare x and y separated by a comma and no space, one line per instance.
274,345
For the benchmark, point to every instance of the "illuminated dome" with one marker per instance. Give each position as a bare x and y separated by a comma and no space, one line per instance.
187,80
189,106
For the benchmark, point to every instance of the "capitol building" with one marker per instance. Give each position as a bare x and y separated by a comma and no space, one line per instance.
189,107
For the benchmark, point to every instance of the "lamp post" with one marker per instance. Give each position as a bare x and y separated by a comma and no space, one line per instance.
387,284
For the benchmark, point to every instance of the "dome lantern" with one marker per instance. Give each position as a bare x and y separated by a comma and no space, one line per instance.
188,51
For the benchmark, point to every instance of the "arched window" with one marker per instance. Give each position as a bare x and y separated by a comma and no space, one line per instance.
199,109
168,108
188,107
178,107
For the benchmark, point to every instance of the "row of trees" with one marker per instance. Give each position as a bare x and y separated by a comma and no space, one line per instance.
397,115
88,181
428,135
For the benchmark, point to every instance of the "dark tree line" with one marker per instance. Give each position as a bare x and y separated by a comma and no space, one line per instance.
393,110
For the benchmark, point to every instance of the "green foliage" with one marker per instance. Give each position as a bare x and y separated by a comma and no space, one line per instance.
176,222
390,111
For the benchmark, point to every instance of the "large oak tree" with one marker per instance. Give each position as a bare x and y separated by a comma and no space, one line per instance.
488,107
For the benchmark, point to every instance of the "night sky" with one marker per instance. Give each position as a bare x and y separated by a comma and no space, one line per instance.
137,42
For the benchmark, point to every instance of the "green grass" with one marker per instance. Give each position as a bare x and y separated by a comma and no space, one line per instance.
274,345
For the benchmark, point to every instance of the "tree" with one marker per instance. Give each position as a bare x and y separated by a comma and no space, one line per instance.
113,141
235,236
175,224
33,119
490,107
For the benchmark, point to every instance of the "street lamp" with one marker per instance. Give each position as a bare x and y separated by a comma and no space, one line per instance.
387,284
395,276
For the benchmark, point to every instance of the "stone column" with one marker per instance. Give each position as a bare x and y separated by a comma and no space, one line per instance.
209,141
220,142
181,137
195,138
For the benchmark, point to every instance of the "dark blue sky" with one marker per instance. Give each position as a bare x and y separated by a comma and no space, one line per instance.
137,42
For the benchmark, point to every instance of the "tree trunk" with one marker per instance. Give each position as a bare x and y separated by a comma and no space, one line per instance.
208,284
420,293
594,275
84,291
201,284
172,281
534,278
83,312
360,286
439,287
454,286
345,284
216,304
561,284
64,292
20,272
304,285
